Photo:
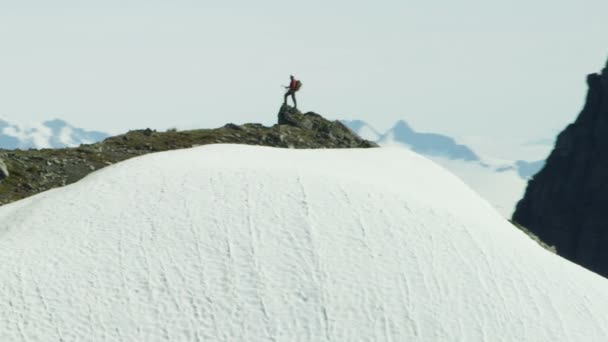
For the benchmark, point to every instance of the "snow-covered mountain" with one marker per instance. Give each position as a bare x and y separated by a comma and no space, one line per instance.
502,186
249,243
363,129
502,181
429,144
48,134
509,148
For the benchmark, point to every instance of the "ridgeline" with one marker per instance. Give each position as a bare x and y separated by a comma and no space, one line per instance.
26,173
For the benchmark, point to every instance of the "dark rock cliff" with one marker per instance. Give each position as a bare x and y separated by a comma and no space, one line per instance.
26,173
566,203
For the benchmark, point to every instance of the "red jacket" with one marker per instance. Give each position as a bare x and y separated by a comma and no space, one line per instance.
292,85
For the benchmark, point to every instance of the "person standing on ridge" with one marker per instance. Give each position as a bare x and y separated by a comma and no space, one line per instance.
294,85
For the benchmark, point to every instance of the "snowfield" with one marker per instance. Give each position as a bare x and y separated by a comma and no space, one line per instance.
503,189
243,243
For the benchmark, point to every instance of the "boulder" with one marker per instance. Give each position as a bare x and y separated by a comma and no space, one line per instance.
334,133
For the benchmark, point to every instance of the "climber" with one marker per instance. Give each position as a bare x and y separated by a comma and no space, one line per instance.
294,85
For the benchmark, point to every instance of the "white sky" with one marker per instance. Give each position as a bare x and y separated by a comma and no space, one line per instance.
465,68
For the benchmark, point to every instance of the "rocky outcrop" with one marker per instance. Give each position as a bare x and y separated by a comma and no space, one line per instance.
330,133
566,203
3,169
34,171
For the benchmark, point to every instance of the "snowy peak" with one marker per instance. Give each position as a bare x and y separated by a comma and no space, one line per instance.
54,133
65,135
362,129
356,125
401,130
250,243
431,144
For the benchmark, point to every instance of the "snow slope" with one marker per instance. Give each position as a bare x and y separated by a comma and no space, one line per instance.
503,189
494,168
497,181
243,243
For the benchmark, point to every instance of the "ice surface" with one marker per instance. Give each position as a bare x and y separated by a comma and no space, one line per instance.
243,243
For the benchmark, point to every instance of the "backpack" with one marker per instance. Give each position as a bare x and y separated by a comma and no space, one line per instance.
298,85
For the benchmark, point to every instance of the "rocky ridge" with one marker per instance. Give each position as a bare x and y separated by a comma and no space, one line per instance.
565,203
26,173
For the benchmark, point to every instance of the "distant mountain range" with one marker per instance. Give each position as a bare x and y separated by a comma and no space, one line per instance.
501,181
48,134
429,144
438,145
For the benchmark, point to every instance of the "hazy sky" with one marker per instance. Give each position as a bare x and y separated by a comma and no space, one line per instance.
469,67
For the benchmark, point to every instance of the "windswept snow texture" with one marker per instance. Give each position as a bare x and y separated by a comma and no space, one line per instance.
502,186
244,243
495,173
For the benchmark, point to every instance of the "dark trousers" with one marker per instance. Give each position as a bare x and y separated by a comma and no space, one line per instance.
293,98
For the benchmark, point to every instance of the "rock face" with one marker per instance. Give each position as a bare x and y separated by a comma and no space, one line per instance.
34,171
3,169
566,203
330,133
